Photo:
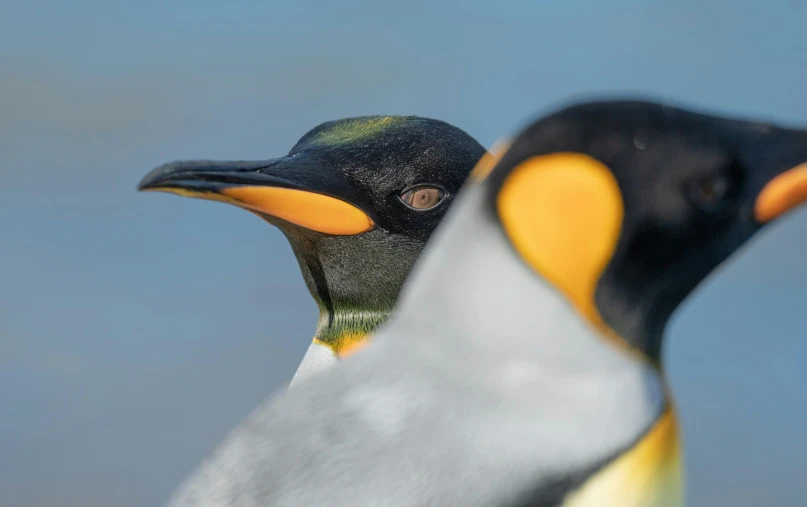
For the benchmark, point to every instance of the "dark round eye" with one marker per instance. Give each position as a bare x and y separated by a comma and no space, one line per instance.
708,193
422,198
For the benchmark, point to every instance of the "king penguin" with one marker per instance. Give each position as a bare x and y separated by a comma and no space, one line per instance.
357,199
522,365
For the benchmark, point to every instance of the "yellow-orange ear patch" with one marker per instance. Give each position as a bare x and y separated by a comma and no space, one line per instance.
563,213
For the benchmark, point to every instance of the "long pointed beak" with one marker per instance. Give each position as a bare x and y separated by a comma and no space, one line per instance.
290,188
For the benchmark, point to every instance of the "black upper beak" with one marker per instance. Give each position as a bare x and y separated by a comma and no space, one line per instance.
205,175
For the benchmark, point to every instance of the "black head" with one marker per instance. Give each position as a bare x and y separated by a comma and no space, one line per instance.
660,196
357,198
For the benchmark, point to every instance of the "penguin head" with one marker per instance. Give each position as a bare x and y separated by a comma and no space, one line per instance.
626,206
357,198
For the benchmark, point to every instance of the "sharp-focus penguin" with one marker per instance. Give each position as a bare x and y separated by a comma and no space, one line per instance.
522,364
357,199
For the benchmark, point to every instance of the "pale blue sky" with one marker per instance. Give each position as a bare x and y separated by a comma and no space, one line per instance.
136,329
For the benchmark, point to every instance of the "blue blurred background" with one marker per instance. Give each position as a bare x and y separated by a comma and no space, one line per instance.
136,329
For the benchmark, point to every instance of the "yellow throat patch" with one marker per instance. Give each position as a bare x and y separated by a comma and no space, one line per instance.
647,475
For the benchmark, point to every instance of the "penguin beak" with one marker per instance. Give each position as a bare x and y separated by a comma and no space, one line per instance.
295,189
784,192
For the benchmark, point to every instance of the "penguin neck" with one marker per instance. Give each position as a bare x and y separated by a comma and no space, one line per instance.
639,317
354,281
343,329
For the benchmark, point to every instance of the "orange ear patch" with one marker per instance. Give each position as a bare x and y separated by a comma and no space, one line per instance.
563,213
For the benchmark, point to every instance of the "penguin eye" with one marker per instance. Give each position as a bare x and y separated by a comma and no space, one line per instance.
710,190
719,190
711,193
422,198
